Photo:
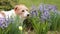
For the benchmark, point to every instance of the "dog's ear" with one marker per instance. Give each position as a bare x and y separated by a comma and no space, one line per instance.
16,8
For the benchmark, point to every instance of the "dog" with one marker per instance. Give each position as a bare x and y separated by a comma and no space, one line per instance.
20,10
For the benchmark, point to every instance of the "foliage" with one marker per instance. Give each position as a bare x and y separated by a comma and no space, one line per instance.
7,4
13,27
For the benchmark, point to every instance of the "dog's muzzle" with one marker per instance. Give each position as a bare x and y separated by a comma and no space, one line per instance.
27,15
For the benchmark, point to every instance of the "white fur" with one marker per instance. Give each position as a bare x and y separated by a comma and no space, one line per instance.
8,14
11,13
25,13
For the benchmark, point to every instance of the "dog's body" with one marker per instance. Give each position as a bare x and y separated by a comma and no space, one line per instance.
7,14
20,10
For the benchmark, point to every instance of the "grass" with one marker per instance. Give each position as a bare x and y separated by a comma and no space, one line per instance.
13,28
29,3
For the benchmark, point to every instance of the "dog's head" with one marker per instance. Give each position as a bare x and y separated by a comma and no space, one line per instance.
21,10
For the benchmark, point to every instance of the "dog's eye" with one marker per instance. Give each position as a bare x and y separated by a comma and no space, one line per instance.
22,10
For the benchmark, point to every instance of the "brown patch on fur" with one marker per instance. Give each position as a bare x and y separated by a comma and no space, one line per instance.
2,13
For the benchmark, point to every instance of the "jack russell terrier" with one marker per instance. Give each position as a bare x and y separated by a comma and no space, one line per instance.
20,10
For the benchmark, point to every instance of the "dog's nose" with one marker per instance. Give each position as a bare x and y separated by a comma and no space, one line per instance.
27,14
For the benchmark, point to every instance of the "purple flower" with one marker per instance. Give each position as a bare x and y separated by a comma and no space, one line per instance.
47,6
45,10
34,11
41,7
4,22
45,15
52,7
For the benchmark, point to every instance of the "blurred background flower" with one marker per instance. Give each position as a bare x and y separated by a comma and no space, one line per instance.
34,11
4,22
46,9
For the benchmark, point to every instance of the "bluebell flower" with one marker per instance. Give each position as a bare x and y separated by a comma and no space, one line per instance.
45,15
41,7
34,11
52,7
4,22
45,10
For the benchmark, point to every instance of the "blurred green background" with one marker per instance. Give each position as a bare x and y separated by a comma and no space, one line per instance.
9,4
